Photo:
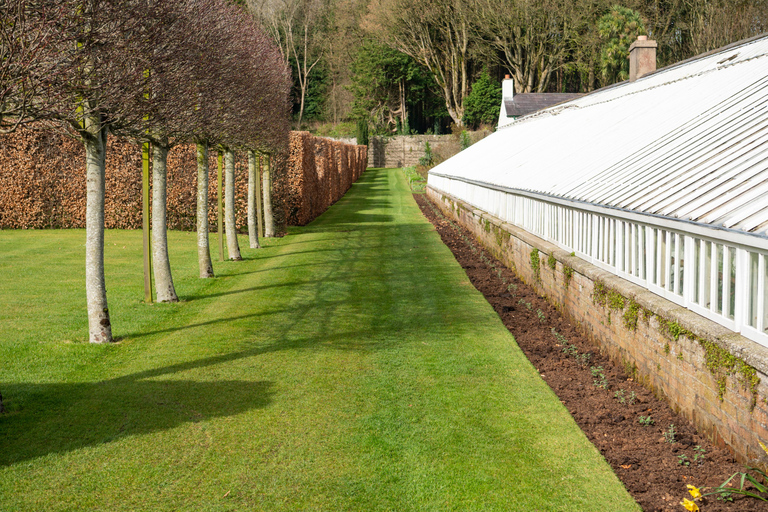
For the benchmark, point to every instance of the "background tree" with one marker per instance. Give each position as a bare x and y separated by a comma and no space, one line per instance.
533,38
385,85
482,104
618,28
438,35
299,28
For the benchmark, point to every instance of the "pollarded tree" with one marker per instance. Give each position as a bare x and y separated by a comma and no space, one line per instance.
96,82
91,79
265,106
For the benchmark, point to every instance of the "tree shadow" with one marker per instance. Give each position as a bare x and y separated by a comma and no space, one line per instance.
60,417
53,418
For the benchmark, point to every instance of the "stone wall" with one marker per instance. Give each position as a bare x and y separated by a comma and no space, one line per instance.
406,150
714,377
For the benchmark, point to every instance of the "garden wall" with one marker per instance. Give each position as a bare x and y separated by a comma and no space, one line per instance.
406,150
714,377
42,181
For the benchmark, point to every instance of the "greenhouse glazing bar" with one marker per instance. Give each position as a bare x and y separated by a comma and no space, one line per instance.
718,273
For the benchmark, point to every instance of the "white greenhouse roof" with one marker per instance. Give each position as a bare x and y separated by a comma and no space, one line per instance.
687,142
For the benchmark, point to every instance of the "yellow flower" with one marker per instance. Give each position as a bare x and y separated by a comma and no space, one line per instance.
689,505
695,492
763,447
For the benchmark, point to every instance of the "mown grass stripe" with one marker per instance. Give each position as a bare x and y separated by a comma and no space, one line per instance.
347,366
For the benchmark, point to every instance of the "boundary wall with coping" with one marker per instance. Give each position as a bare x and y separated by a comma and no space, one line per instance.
406,150
713,376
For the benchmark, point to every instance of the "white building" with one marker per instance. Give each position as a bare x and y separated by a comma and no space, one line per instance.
661,180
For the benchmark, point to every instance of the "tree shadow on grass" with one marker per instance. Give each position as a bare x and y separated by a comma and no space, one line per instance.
60,417
44,419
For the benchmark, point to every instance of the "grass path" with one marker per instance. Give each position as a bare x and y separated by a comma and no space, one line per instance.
347,366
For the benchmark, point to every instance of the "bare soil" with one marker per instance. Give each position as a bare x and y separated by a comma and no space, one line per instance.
654,467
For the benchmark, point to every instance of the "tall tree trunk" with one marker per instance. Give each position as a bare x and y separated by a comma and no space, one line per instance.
233,248
254,187
203,246
269,226
161,265
95,141
259,209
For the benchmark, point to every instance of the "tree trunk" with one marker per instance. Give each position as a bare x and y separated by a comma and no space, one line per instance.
95,141
161,265
220,208
203,246
253,193
259,209
233,248
269,227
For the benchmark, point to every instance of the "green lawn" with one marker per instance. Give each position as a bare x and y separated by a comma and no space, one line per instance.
347,366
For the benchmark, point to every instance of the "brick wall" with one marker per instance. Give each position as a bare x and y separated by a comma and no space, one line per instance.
714,377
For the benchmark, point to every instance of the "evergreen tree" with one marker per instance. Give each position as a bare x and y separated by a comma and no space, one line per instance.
482,103
618,29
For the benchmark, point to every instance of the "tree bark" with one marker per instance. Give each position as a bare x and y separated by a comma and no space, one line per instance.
95,141
259,208
161,265
254,187
269,227
203,245
233,248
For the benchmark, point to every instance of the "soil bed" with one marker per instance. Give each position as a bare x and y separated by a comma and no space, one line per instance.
653,465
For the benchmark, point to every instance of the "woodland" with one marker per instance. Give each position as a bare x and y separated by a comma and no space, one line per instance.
404,66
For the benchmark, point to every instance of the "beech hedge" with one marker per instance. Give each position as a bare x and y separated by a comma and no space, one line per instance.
42,181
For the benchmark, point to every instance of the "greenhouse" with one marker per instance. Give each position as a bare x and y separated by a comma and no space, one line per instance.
662,181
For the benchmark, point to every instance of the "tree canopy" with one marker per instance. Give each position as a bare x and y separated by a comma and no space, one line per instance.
546,46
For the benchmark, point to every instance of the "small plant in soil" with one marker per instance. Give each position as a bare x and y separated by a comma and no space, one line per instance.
571,350
541,315
583,359
670,433
598,377
559,337
682,460
623,398
646,421
699,454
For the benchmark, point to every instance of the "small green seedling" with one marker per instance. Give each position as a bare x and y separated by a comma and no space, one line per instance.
645,420
670,434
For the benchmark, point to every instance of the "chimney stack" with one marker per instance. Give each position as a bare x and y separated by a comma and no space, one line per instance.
642,57
507,93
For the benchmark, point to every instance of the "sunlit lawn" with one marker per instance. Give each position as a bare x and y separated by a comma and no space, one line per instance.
347,366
